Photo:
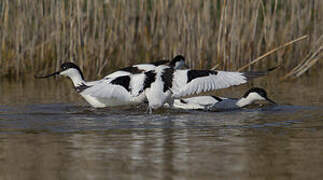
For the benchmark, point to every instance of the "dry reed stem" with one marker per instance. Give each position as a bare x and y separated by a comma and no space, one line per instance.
314,55
308,65
272,51
215,67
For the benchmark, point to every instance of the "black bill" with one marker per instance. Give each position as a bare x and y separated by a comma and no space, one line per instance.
271,101
47,76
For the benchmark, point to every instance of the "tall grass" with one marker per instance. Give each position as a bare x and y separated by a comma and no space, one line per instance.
106,34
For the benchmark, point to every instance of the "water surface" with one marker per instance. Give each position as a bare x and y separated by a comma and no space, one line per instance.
48,132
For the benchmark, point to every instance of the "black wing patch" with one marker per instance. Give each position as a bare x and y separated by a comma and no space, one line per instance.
122,81
217,98
193,74
132,70
161,62
183,101
81,88
167,78
150,78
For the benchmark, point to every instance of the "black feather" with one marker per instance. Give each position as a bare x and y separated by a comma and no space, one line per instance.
122,81
81,88
68,65
167,78
132,70
161,62
150,78
193,74
217,98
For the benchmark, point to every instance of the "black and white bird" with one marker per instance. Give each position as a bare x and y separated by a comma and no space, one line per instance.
165,84
222,103
116,89
158,86
177,62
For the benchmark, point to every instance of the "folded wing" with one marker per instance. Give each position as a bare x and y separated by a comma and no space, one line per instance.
107,90
123,88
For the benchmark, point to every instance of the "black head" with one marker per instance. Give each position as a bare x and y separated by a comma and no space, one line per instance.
261,92
178,62
64,67
70,65
176,59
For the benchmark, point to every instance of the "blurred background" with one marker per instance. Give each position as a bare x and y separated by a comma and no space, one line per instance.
47,131
104,35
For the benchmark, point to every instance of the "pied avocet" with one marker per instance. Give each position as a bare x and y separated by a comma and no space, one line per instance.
115,89
158,86
221,103
164,84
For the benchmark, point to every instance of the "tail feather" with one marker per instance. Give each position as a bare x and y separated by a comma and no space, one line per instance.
251,75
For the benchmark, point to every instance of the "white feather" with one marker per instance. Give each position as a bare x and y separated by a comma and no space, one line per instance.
104,89
117,74
199,102
222,79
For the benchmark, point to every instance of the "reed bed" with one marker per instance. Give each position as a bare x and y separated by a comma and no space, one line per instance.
103,35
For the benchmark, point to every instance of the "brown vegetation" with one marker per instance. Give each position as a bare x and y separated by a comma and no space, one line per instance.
102,35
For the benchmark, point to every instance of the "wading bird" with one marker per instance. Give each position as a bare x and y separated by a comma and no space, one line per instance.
116,88
158,86
222,103
165,84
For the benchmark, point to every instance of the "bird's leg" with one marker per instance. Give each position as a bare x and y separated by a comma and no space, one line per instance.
149,110
170,102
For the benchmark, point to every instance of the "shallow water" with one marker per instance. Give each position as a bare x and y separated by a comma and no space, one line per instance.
48,132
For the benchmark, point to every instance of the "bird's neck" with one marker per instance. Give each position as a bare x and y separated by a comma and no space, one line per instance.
77,79
242,102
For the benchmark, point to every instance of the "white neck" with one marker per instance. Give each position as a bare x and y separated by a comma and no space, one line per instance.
77,80
242,102
74,75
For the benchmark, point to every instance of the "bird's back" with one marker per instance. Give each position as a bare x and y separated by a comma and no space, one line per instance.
225,104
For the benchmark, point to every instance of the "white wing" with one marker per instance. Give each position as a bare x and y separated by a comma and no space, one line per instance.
104,89
145,67
189,82
117,74
201,100
137,84
124,88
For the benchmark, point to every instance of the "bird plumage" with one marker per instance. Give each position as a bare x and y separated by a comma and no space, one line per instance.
221,103
177,62
118,88
169,84
157,84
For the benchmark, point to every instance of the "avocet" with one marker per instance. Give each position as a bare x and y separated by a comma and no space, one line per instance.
164,84
115,89
222,103
158,86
